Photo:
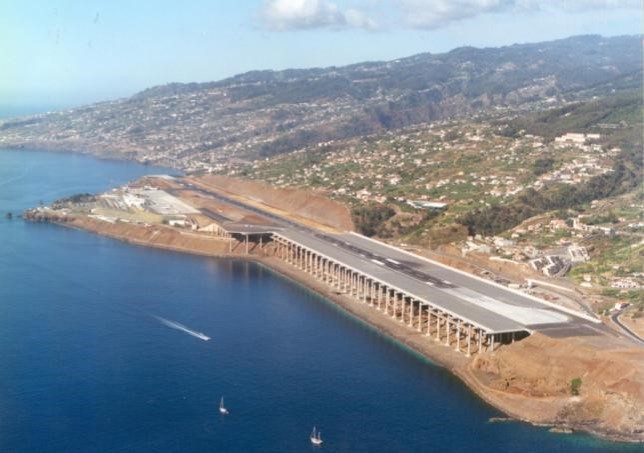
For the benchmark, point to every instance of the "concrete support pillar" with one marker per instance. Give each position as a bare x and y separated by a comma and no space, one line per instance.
429,320
447,329
363,288
469,340
347,281
438,327
458,335
480,348
493,336
403,308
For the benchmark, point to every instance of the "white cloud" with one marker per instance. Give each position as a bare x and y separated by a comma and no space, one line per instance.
282,15
438,13
584,5
357,19
429,14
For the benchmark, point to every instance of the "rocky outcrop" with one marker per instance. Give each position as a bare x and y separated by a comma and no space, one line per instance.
594,383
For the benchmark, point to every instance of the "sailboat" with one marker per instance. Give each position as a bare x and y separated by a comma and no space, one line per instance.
316,437
222,408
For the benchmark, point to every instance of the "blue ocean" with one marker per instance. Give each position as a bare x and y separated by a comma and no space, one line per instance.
91,359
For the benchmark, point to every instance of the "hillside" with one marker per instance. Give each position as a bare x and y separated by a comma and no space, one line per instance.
262,113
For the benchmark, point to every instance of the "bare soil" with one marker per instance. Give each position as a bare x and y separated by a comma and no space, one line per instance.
531,380
635,324
289,201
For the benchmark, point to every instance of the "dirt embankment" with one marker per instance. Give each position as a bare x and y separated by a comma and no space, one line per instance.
533,380
636,324
300,202
157,236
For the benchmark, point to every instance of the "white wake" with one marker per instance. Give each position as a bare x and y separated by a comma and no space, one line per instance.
182,328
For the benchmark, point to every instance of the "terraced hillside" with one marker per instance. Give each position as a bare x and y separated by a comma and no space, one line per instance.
263,113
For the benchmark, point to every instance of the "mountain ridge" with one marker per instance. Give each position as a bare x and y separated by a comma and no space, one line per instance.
293,72
261,113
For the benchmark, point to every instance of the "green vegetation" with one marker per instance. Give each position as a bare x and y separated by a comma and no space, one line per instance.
622,110
370,219
542,166
599,219
626,176
74,199
575,386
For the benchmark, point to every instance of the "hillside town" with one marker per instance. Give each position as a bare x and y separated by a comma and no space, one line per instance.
449,168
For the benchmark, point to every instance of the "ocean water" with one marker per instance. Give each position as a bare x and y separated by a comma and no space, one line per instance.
87,365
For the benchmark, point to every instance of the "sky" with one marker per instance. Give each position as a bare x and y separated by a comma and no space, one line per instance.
60,53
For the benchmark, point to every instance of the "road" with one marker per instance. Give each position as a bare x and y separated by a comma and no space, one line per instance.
635,337
493,306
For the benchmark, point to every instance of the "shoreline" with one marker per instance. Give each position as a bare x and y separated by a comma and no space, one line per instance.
512,405
28,147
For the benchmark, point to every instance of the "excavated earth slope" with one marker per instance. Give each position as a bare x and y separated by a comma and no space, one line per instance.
531,380
299,202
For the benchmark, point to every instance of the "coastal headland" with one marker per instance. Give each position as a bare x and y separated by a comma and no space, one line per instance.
590,381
